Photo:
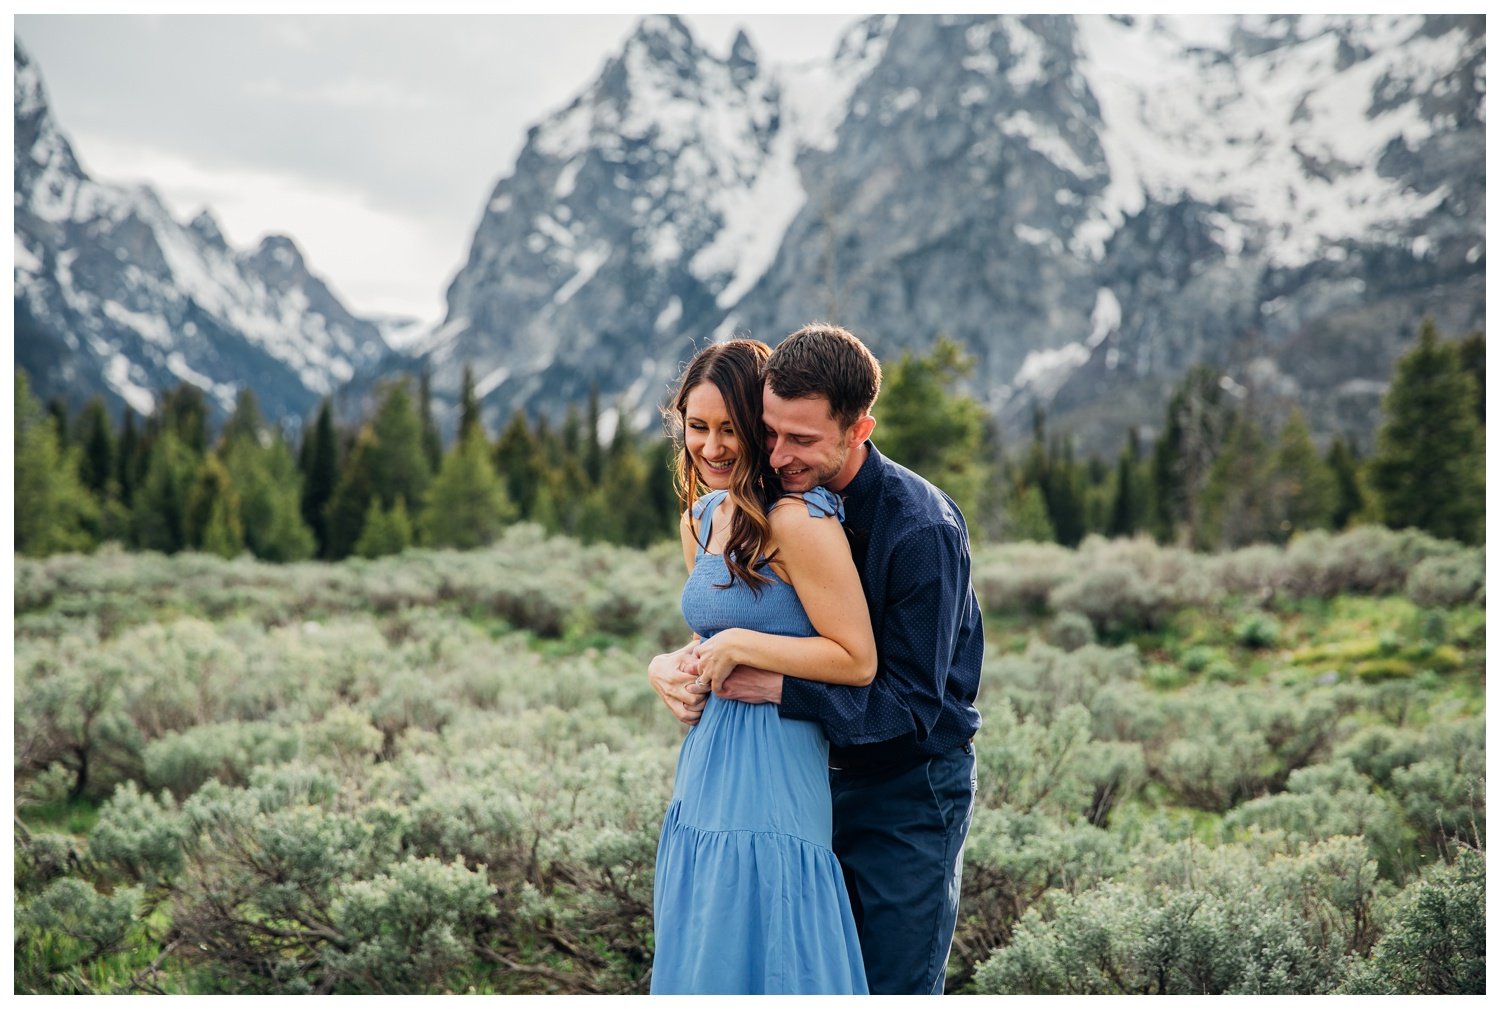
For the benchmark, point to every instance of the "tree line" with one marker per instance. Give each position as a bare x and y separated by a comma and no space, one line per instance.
1223,473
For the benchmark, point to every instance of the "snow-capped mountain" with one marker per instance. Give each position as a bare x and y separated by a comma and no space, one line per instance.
114,296
1089,204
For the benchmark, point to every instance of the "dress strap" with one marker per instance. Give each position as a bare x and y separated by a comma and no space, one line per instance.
822,503
703,512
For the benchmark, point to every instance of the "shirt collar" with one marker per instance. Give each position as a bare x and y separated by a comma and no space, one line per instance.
862,488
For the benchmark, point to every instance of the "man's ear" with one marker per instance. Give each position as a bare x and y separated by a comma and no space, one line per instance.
862,429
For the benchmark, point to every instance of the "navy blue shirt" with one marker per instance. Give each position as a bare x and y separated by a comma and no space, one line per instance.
911,547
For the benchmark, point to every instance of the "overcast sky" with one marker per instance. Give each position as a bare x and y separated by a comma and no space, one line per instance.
372,140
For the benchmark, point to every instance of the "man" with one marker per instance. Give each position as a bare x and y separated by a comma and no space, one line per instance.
901,756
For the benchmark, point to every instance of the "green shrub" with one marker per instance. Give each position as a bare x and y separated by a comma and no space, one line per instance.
1071,631
1436,943
1258,630
1448,580
1197,921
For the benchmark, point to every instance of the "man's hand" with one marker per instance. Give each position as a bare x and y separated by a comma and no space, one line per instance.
753,686
674,677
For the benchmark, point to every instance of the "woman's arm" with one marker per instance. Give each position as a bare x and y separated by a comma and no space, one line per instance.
812,555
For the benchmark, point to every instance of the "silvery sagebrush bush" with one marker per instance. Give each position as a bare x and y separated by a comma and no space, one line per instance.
1249,919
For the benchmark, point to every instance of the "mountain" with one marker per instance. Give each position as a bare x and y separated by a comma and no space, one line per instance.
1089,204
115,296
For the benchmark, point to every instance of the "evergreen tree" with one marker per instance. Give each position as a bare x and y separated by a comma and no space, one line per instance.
129,459
930,427
1198,418
320,476
1428,467
1063,494
469,418
519,462
97,465
1029,519
53,510
593,447
57,410
159,509
620,510
398,462
1127,508
246,422
213,511
467,505
1471,359
1348,489
1301,486
350,502
432,443
1236,507
270,491
572,433
184,412
385,531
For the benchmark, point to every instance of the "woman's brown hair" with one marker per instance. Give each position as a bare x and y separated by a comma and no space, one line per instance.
734,368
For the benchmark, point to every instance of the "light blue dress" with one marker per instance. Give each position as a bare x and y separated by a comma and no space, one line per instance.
749,897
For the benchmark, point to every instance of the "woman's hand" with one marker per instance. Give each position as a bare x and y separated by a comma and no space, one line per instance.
673,676
718,656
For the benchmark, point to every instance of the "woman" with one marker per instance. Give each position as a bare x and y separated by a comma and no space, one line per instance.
749,897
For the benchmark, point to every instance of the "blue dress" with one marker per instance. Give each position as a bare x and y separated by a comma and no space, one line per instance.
749,897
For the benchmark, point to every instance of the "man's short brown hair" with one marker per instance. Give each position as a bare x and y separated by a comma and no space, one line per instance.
825,360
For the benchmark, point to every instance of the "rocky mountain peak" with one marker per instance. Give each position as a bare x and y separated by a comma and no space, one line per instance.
206,227
277,255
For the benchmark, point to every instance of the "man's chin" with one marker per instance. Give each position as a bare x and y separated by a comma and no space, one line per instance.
799,483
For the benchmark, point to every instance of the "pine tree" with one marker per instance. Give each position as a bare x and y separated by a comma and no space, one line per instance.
53,510
1198,419
159,509
246,422
1348,489
1471,359
270,490
468,407
593,448
1029,520
518,461
129,459
1063,495
1301,486
1236,507
321,476
350,502
385,531
466,505
1428,467
398,462
184,412
1128,506
930,427
97,465
432,443
212,521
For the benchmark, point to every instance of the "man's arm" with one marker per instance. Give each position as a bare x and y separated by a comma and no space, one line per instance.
926,587
753,686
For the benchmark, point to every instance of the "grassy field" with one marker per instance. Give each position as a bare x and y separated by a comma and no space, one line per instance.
445,772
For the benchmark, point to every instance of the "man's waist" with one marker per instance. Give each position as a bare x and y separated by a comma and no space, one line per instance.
889,755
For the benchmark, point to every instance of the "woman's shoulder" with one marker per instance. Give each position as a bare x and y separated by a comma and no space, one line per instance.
818,503
704,503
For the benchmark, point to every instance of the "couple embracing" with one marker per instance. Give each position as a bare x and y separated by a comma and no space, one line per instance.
814,840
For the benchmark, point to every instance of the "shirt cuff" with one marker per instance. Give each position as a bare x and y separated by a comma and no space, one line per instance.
801,699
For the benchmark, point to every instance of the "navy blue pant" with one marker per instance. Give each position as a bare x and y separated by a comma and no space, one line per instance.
900,838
